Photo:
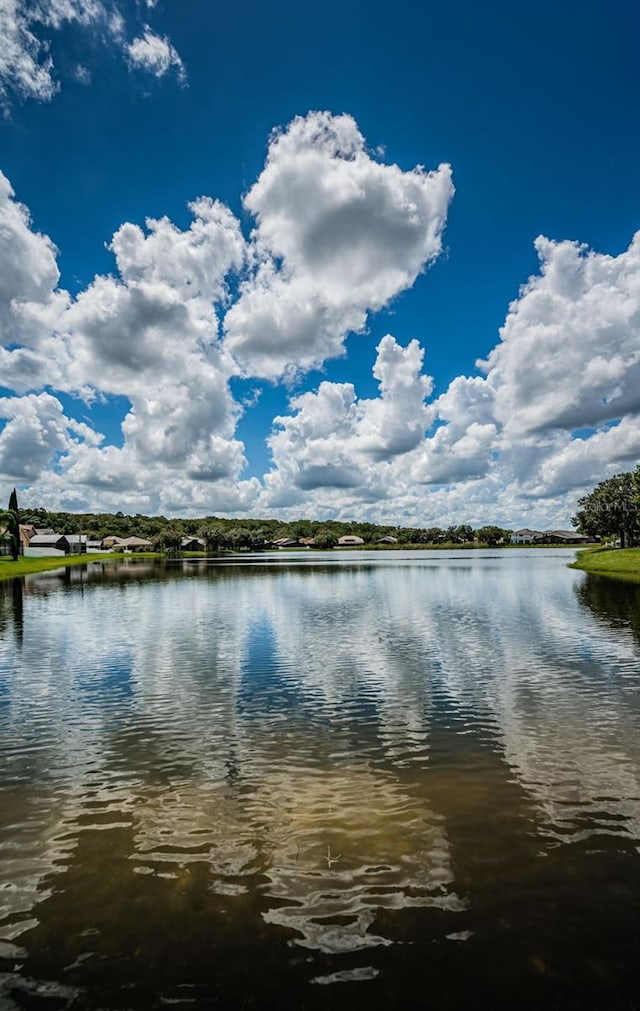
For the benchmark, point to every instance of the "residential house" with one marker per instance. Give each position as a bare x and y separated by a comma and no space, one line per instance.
349,541
77,543
564,537
47,545
27,531
193,544
136,544
526,537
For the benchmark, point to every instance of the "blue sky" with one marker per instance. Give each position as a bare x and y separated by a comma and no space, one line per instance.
326,281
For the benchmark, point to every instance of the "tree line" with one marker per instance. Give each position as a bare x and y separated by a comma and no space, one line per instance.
229,534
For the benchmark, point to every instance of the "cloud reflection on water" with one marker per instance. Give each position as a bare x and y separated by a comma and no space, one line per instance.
278,724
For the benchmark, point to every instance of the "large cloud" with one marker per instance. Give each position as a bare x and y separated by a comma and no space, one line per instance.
150,333
566,367
557,410
338,235
569,355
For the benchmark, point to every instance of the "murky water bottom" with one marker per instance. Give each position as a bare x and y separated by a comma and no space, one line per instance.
398,781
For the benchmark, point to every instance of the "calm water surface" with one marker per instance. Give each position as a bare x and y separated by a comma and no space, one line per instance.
320,781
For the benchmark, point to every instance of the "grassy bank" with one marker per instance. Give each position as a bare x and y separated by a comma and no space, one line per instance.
25,566
624,563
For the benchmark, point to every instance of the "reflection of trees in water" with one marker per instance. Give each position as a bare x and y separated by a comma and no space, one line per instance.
11,607
613,601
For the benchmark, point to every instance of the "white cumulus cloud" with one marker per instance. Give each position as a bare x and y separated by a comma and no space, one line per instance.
338,235
569,354
36,431
334,440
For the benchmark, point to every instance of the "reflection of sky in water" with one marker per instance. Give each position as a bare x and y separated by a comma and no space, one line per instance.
278,723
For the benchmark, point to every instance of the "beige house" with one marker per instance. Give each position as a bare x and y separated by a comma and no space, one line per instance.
127,543
136,544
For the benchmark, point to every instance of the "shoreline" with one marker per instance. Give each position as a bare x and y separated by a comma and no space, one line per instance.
28,566
617,563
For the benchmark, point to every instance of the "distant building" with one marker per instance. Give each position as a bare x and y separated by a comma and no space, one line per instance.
27,531
77,543
564,537
192,544
387,539
47,545
548,537
136,544
526,537
349,541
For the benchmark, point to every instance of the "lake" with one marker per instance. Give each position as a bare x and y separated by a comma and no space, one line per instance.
319,780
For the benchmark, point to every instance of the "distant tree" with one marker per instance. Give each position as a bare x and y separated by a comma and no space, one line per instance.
612,508
170,538
434,535
260,537
408,535
239,537
490,535
464,533
300,529
324,539
213,535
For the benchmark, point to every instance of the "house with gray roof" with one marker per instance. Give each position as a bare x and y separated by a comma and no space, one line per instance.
47,545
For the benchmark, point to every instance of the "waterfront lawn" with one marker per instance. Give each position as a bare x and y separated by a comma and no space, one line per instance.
623,562
24,566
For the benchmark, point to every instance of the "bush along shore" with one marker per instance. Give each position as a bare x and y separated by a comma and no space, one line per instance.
622,563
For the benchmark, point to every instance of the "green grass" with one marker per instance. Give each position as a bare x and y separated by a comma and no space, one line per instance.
623,563
25,566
